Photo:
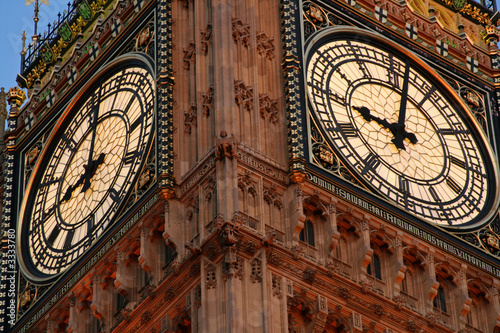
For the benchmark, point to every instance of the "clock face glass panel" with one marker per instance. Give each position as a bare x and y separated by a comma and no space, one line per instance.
397,128
87,169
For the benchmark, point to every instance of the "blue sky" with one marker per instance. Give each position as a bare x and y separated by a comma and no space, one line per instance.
16,17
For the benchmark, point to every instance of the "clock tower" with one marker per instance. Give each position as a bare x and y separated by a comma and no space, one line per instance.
255,166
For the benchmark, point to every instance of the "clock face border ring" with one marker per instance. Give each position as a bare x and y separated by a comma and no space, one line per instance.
71,105
321,38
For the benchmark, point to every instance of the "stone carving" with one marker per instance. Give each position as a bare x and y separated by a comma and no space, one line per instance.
268,239
229,233
194,249
309,275
197,297
241,31
276,285
211,279
433,318
243,95
250,248
169,294
145,317
190,118
32,155
293,324
366,285
207,101
189,55
378,309
206,38
296,252
344,293
145,41
412,326
212,251
233,266
256,275
225,147
268,108
265,45
274,259
399,302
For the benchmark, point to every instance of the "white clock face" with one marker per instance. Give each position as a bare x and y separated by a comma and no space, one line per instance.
87,169
397,126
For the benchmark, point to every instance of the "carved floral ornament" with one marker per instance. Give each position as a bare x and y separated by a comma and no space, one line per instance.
189,55
243,95
241,31
206,38
265,45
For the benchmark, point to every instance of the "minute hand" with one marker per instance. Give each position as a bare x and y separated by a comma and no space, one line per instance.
401,134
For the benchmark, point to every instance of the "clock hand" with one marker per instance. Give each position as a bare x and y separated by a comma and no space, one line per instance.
92,165
394,128
90,171
401,133
71,188
84,179
93,124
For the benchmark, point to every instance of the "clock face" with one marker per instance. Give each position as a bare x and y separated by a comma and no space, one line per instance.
397,125
88,167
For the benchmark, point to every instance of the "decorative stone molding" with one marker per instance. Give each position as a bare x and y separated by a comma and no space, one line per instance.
225,147
268,108
189,55
265,45
241,31
233,266
190,118
211,277
276,286
207,101
256,275
309,275
206,38
243,95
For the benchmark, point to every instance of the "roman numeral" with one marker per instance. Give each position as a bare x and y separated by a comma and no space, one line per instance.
453,185
426,97
404,186
49,212
434,194
347,129
90,226
458,162
70,143
49,182
53,235
69,239
371,163
113,194
130,102
135,124
449,131
130,157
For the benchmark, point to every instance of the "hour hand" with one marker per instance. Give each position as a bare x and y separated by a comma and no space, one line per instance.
367,116
397,129
90,171
364,112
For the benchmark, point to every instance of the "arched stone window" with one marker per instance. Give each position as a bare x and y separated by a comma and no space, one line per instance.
307,234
